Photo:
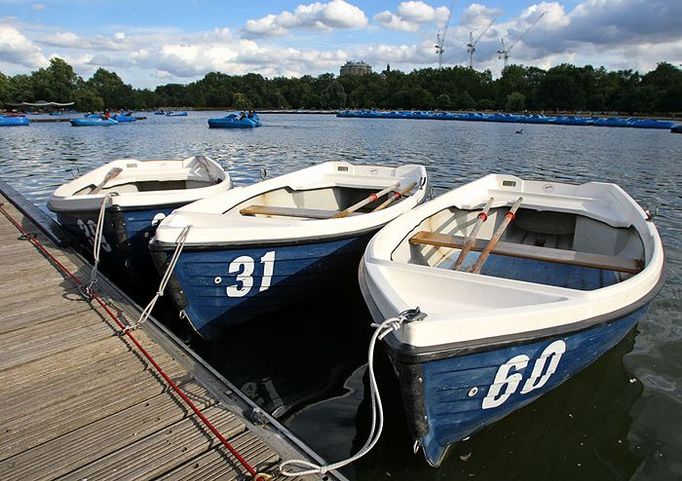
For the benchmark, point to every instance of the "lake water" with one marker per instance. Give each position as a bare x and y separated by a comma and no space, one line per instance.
619,419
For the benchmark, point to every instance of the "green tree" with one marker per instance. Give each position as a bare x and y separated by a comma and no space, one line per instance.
56,83
334,96
443,102
88,100
515,102
4,88
241,102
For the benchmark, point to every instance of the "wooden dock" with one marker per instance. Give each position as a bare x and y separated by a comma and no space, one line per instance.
79,401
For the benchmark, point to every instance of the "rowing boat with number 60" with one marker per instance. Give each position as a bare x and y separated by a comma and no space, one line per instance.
128,198
519,284
253,250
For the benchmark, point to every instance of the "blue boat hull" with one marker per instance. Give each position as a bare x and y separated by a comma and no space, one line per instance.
450,395
13,121
234,122
124,252
124,118
217,288
91,122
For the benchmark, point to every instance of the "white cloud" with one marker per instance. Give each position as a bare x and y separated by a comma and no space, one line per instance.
16,48
38,7
477,15
410,16
316,16
394,22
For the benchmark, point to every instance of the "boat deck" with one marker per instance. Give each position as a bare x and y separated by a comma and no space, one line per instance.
80,401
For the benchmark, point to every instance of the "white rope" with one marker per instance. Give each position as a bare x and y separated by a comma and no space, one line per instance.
301,467
180,243
97,241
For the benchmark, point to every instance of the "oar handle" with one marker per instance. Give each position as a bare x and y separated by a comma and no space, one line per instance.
365,201
481,218
394,197
109,175
203,161
508,217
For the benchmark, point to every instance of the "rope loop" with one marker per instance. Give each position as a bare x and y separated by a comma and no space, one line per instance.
147,311
97,242
301,467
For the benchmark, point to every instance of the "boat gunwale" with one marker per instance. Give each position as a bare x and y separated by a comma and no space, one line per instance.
411,354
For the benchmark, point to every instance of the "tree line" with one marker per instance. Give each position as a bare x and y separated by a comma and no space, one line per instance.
562,88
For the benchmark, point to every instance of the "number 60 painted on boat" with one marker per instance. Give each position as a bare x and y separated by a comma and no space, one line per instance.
538,377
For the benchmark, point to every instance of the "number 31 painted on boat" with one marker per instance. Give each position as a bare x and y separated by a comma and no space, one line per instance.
506,384
244,266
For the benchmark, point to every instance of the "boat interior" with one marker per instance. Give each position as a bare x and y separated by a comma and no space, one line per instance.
133,179
319,203
546,247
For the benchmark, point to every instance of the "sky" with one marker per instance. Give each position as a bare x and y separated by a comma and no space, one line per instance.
150,42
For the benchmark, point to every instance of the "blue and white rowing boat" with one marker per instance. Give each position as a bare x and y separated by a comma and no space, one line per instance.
136,196
255,249
513,302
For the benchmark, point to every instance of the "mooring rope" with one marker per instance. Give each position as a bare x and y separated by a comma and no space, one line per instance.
97,241
255,475
147,311
301,467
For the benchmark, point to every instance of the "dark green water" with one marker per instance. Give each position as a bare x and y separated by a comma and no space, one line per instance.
619,419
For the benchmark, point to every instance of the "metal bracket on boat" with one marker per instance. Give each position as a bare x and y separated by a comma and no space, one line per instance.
263,173
258,417
651,212
412,315
415,447
75,172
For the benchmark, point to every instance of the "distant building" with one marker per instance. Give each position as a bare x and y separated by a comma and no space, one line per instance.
355,68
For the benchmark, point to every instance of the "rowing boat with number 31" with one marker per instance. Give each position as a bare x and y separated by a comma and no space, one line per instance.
258,248
519,284
127,198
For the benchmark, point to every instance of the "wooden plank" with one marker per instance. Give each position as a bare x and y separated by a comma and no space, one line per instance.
213,466
548,254
27,431
162,451
287,211
54,368
85,445
45,339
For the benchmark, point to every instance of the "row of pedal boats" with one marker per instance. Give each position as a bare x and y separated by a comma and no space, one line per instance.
502,288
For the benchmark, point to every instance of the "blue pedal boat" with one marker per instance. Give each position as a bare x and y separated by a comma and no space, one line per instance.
13,120
501,323
138,194
176,114
93,120
235,121
123,118
257,249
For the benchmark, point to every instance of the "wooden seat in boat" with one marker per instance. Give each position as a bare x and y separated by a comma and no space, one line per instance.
548,254
287,211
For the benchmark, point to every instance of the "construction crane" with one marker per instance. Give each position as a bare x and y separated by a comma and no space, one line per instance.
504,51
440,37
471,46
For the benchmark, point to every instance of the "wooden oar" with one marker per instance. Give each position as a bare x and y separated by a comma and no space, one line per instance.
508,217
395,196
482,217
365,201
110,175
203,161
